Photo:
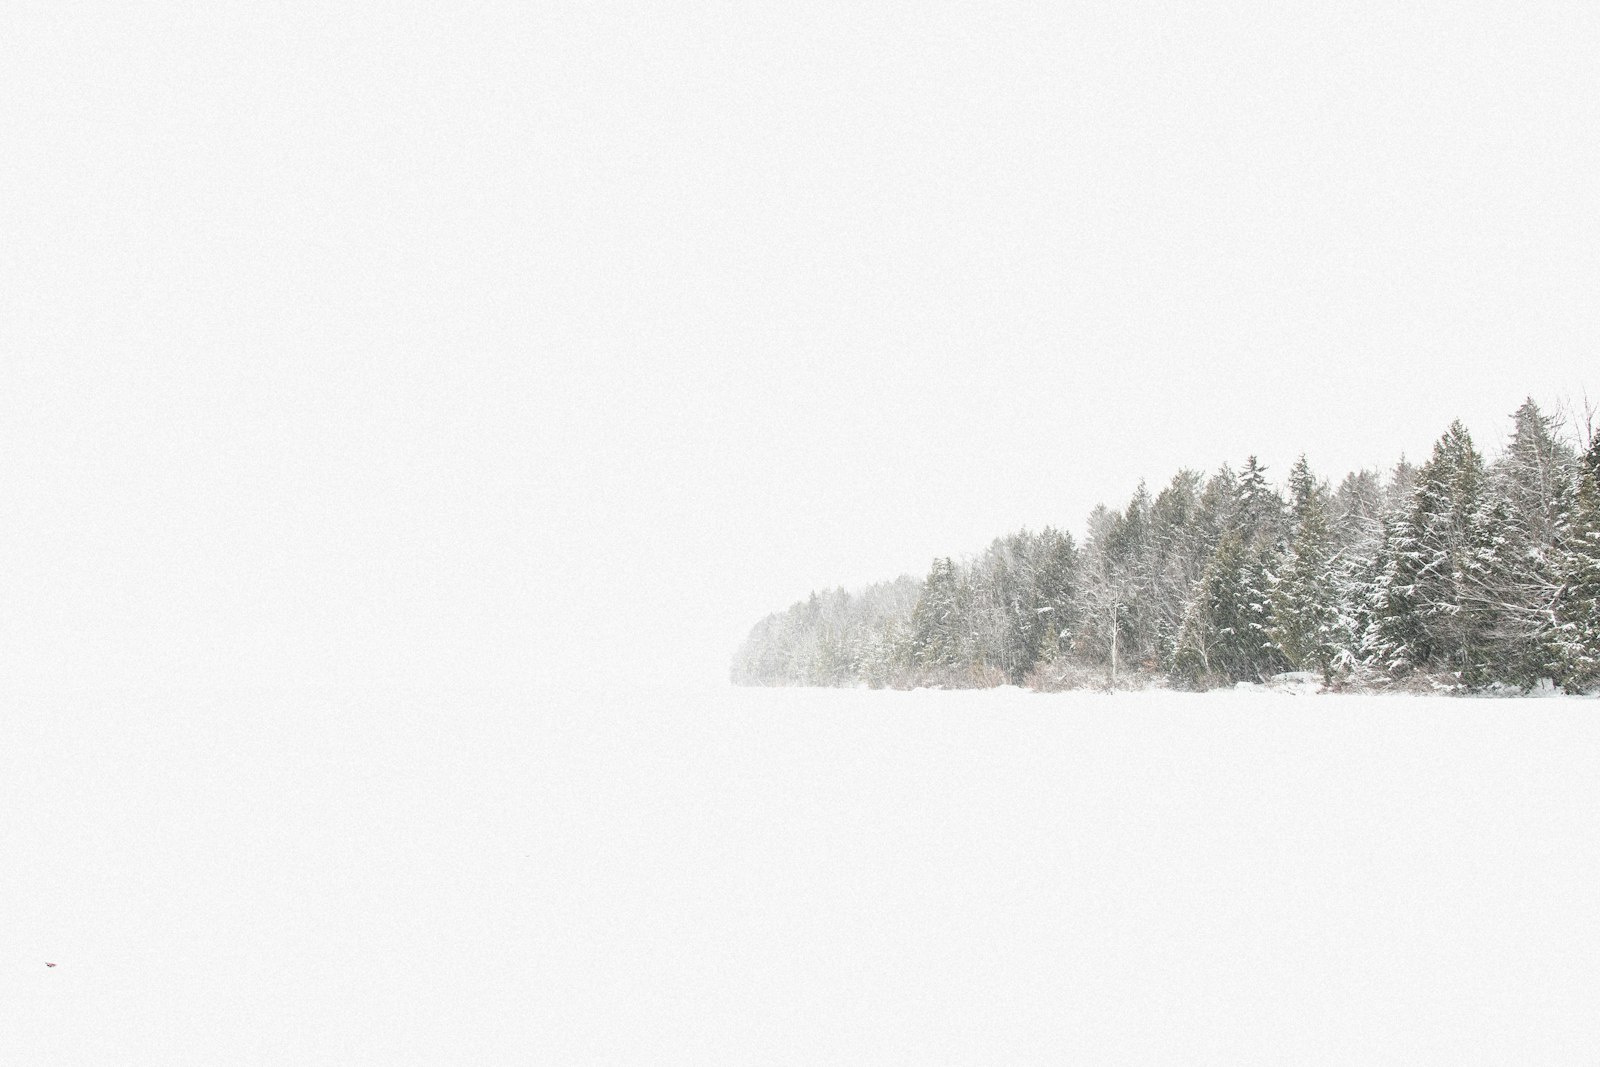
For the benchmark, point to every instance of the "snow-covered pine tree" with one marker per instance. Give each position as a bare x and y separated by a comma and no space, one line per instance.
1359,513
1136,552
1536,474
759,661
1055,592
1103,593
1025,596
1260,513
1116,620
1401,486
1227,633
940,624
1179,550
825,658
1356,510
1420,617
1005,623
881,647
1577,606
1512,588
1305,608
1217,514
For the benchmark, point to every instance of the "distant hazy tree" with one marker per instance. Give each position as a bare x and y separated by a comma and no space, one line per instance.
831,638
941,624
1025,592
882,645
1178,546
1002,636
1054,601
1116,627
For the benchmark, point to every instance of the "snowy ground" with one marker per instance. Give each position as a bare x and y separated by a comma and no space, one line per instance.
802,876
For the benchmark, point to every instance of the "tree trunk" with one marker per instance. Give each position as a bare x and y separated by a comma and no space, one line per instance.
1114,629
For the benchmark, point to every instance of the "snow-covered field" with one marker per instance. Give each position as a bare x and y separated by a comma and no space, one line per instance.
801,876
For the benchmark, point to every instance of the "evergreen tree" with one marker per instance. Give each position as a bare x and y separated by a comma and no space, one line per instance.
1373,521
1055,592
1179,550
1025,589
831,638
1260,511
1577,606
1305,598
1421,615
1402,485
1134,551
938,623
1228,631
1535,474
1356,510
1115,611
1513,589
882,646
1006,624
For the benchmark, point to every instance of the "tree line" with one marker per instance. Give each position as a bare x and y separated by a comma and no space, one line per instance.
1458,573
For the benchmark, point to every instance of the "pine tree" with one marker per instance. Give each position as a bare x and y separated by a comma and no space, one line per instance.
1402,485
1228,630
1356,510
1007,618
1116,620
1305,598
1260,511
1421,613
882,634
1055,592
1513,587
939,623
1577,607
1179,551
1535,475
1218,511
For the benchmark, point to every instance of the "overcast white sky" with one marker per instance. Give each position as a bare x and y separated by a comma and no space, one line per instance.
438,344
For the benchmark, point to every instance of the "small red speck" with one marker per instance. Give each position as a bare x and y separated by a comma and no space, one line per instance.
49,965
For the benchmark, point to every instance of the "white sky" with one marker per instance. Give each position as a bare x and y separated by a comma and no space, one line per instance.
448,344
